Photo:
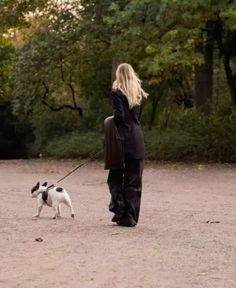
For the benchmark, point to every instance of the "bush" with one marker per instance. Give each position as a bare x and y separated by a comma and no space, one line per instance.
181,135
15,136
73,145
192,136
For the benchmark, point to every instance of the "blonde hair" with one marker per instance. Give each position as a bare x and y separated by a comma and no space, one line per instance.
129,84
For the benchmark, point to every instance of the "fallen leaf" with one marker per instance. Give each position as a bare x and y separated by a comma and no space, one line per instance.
39,239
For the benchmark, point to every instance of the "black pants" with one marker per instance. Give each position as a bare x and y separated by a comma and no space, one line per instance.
125,186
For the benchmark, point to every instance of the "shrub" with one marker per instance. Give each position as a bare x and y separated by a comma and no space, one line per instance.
195,137
73,145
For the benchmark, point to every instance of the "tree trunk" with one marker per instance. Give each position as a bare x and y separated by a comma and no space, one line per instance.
226,54
204,75
230,78
155,100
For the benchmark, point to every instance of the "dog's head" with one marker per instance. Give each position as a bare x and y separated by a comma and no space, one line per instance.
38,189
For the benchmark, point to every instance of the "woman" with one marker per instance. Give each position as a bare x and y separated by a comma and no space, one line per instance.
125,184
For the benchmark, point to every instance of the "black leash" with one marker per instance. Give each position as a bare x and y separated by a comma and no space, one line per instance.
82,164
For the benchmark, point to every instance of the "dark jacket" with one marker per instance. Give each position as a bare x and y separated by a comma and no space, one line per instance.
113,145
128,125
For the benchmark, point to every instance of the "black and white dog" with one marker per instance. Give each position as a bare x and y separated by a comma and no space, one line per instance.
51,196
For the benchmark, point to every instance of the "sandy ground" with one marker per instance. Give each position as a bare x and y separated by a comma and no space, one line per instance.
185,237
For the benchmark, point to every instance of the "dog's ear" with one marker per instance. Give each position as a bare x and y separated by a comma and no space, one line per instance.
45,184
35,188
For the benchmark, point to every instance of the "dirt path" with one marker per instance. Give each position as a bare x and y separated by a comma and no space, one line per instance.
185,237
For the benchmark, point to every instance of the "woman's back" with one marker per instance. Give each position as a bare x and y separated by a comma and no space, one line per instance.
128,125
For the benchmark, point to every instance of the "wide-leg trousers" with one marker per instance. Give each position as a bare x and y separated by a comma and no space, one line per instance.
125,187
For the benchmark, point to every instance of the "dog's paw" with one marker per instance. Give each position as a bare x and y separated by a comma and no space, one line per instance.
73,216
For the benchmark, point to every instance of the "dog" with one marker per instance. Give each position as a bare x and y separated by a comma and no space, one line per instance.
51,196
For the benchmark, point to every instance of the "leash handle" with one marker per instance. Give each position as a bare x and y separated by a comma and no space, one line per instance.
82,164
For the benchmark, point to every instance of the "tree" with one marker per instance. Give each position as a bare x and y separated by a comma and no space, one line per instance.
46,66
61,66
165,34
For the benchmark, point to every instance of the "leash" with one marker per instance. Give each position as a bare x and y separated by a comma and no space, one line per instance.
82,164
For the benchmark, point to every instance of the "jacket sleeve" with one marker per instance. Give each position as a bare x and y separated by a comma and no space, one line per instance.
118,109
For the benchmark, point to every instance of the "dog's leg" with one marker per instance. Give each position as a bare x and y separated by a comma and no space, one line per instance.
55,208
39,211
59,210
67,201
72,212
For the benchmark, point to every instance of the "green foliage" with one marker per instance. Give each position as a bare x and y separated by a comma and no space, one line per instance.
191,136
6,52
164,33
13,12
95,83
75,144
48,125
62,135
45,70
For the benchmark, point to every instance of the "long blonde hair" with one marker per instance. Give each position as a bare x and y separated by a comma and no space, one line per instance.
129,84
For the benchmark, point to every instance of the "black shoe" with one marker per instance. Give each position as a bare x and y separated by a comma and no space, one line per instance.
127,221
118,214
116,218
